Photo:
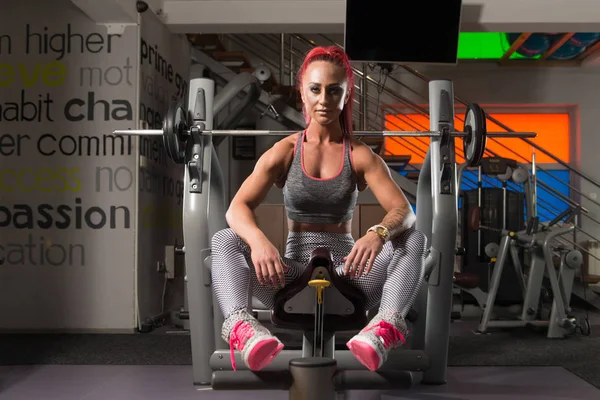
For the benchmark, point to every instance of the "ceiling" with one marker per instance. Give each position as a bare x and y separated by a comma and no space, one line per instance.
328,16
483,23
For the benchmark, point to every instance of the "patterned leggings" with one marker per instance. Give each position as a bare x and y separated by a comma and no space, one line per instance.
392,283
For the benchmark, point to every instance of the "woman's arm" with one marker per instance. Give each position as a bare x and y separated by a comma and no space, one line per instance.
269,167
376,174
399,219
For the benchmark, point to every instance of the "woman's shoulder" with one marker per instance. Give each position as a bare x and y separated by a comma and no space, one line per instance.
282,154
361,152
285,146
282,151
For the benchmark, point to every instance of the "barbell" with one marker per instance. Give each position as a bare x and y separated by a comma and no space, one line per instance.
176,131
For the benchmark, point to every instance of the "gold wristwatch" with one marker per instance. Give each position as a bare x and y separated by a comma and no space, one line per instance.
381,231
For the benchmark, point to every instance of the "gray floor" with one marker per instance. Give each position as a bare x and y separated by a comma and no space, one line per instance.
114,382
472,376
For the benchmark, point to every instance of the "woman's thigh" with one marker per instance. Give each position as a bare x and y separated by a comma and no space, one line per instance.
299,248
371,284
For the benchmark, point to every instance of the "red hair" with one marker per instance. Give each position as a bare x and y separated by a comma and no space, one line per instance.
336,55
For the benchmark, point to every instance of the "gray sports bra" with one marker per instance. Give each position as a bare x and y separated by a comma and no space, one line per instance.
317,200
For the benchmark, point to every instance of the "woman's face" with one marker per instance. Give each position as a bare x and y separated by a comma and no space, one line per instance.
325,91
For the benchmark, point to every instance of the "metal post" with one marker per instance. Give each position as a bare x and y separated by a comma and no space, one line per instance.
560,305
216,210
504,205
312,378
503,253
423,224
534,181
197,241
291,60
459,175
443,236
576,224
535,279
363,98
528,196
203,216
282,58
479,202
570,263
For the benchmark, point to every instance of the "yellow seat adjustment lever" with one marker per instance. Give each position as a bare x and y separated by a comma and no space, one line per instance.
319,284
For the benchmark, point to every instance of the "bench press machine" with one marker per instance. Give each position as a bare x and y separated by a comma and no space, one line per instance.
318,303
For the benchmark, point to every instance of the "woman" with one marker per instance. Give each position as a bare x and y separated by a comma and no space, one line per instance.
321,171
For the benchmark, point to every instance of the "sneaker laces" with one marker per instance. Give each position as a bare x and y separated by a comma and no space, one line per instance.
241,332
388,333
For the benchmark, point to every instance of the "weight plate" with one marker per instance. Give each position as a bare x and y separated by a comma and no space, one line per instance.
574,259
174,127
491,250
476,130
520,175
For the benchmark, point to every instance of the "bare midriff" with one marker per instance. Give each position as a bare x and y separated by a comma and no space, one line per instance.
344,227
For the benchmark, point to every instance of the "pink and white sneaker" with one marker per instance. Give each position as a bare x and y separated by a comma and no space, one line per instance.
256,344
371,346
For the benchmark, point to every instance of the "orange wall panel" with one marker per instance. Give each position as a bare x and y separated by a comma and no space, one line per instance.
552,135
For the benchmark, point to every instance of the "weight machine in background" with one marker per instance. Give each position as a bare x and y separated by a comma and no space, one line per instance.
500,208
510,256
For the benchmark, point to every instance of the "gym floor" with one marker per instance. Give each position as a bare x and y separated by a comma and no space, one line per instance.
95,382
501,365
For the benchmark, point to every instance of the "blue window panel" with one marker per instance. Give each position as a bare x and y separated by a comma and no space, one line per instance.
549,203
402,171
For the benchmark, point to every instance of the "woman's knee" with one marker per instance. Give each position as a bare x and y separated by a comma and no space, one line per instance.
413,242
224,241
418,240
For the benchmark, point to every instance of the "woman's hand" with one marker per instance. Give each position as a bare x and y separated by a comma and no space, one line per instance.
363,254
268,264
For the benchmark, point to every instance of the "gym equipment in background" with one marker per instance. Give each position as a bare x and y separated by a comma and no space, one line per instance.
541,245
500,208
188,137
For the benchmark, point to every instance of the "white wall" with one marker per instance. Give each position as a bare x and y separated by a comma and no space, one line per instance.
164,78
65,267
67,189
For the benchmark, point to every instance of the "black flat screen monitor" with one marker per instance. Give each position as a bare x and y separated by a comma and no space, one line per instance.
402,32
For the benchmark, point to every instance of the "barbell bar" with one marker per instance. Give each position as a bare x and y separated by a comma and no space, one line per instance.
176,131
241,132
